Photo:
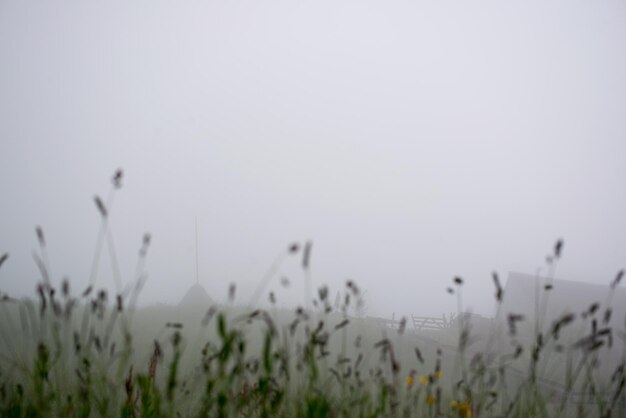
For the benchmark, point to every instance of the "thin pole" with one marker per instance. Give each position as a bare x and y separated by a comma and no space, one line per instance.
197,276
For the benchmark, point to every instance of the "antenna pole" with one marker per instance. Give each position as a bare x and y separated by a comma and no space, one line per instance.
197,277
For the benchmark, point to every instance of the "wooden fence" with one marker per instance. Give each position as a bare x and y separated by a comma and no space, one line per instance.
384,322
419,322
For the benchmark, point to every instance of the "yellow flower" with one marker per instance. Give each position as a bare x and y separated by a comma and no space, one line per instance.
409,380
424,379
465,410
454,404
430,400
438,374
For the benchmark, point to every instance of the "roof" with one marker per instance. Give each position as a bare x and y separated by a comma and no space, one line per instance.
523,290
565,296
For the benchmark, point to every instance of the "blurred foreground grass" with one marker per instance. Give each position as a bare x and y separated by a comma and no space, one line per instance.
93,354
76,356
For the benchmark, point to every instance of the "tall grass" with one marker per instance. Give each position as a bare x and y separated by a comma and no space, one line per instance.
96,354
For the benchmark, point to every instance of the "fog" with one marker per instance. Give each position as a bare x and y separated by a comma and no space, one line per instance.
410,141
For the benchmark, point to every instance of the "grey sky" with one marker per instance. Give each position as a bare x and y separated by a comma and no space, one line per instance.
410,140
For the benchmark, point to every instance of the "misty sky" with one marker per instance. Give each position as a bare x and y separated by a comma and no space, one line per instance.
412,141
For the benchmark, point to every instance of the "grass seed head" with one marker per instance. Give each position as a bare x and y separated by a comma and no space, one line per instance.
558,248
4,257
496,282
306,255
419,356
100,205
65,287
87,291
40,236
117,178
512,320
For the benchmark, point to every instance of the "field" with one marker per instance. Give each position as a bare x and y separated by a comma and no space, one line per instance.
89,353
65,355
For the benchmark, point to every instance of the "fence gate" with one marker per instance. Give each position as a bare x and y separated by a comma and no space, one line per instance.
429,322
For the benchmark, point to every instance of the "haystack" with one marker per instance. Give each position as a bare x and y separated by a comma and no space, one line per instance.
196,297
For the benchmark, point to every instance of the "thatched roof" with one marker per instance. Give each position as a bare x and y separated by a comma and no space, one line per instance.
196,297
